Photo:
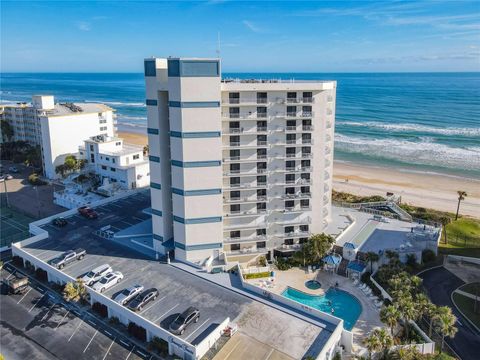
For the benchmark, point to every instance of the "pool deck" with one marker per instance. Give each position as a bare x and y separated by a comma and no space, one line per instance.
369,318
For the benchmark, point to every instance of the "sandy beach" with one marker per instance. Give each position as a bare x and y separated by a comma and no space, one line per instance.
428,190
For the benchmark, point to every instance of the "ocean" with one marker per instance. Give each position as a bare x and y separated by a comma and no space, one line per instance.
420,122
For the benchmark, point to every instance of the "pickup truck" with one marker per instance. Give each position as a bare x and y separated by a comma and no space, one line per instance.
17,285
87,212
68,257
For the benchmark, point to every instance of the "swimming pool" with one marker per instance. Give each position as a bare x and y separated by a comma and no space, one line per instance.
345,306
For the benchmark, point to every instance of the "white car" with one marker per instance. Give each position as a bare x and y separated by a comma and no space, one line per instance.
8,177
96,274
108,281
128,294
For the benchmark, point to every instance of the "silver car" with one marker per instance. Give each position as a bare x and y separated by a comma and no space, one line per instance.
128,294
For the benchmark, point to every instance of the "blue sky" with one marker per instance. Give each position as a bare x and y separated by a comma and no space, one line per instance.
280,36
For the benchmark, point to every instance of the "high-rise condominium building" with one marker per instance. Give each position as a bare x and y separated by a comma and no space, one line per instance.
238,167
58,128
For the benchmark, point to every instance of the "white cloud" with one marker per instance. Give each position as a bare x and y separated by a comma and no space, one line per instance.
251,26
83,25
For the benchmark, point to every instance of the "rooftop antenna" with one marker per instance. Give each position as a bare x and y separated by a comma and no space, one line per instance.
218,45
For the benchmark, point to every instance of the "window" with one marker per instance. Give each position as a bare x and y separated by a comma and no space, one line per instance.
234,181
91,147
234,98
289,204
291,97
306,111
234,140
291,111
307,96
104,167
303,228
103,128
291,151
261,180
291,138
290,164
305,189
234,113
261,245
261,125
262,139
235,168
136,157
304,203
234,247
306,138
234,154
234,195
261,193
92,158
113,169
261,112
261,232
306,150
305,176
288,242
234,126
235,234
106,158
290,178
302,240
113,160
290,191
261,206
261,153
262,165
118,143
261,98
103,121
289,229
235,208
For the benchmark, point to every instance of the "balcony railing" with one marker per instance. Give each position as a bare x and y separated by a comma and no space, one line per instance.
245,239
291,128
307,141
299,100
295,234
307,127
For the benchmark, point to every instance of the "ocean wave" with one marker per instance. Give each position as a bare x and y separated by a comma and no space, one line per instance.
121,118
414,128
422,152
118,103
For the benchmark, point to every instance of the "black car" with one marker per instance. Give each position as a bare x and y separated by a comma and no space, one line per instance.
181,322
60,222
143,299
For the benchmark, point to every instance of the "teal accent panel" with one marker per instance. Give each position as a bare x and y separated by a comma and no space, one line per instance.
151,102
155,186
195,135
152,131
157,212
154,158
194,104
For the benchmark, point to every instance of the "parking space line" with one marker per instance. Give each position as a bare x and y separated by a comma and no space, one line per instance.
9,276
124,343
64,316
198,328
24,296
80,324
35,303
51,307
91,323
269,354
148,308
165,313
86,347
108,349
130,353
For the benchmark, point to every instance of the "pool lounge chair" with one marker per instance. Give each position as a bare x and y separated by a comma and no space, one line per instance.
362,286
378,303
355,282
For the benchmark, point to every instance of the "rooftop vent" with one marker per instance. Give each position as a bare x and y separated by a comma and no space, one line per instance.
72,107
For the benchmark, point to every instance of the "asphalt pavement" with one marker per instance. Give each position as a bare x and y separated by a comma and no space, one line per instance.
440,283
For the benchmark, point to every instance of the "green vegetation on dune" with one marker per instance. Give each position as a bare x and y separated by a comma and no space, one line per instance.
463,238
466,306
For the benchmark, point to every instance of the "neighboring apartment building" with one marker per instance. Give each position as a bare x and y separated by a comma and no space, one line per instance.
238,167
59,129
123,164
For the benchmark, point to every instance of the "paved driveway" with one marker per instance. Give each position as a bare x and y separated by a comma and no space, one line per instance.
440,283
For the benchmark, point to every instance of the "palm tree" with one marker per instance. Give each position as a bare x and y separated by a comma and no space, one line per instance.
372,257
389,315
372,343
445,220
408,310
385,340
461,196
445,324
75,291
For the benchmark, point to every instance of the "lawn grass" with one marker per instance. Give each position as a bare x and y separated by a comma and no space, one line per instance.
465,305
463,238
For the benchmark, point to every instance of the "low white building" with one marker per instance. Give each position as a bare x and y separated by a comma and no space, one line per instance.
116,163
58,128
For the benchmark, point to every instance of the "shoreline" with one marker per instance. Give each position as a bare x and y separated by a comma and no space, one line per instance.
429,190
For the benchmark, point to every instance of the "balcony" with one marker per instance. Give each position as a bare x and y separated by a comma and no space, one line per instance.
245,101
244,239
236,117
291,141
296,221
295,234
245,213
307,141
245,199
247,251
300,100
291,128
239,173
307,128
239,159
249,226
245,186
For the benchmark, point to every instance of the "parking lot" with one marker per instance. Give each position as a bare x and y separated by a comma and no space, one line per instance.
178,289
39,325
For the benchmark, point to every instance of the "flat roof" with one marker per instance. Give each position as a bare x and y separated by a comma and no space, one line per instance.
178,288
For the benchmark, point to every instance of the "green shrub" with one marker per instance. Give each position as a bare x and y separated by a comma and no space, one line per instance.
283,264
33,179
262,261
257,275
158,345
